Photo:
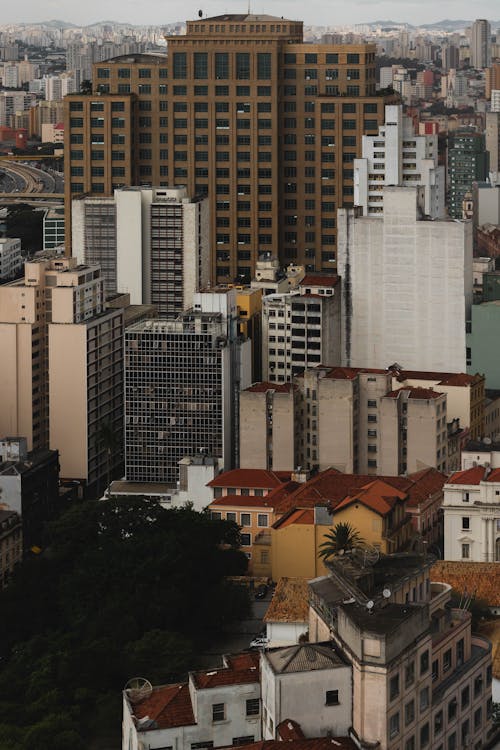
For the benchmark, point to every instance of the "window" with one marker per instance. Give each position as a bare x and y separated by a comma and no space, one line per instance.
438,722
424,662
478,685
409,712
332,698
242,65
200,60
180,65
263,519
466,523
409,669
465,697
394,687
424,699
253,707
447,660
452,741
460,652
245,519
264,60
465,551
242,740
394,725
410,744
424,735
452,709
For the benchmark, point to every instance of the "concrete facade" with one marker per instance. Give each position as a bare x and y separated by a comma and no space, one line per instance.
401,274
397,156
10,258
483,341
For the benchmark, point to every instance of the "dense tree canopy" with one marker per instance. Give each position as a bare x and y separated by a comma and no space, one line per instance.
124,588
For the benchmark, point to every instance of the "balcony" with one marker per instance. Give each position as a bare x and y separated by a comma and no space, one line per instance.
440,595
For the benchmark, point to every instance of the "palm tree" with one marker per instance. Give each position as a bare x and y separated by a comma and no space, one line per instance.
341,538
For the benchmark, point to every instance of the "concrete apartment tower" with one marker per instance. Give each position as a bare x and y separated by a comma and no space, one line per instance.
480,44
397,156
242,110
152,243
182,379
62,367
407,286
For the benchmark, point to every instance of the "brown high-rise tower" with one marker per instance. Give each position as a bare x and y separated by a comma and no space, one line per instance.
242,110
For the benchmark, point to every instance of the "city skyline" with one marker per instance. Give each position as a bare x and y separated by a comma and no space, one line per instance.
317,12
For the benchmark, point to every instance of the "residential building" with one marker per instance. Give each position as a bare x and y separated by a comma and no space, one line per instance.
420,677
29,485
486,199
53,133
495,100
255,515
150,242
471,508
467,162
483,340
11,544
12,102
257,103
62,375
480,44
300,329
10,258
359,420
182,378
397,156
492,139
270,279
492,76
53,228
394,293
482,452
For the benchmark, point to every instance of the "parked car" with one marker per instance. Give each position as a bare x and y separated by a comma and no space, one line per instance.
259,642
261,591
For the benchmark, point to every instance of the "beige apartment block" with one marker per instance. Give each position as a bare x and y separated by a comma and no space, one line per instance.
267,434
54,329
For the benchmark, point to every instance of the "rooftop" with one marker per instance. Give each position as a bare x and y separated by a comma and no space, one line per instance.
242,501
241,669
379,496
305,657
290,602
441,378
475,475
167,706
316,743
317,279
481,578
415,392
250,478
265,386
486,444
381,620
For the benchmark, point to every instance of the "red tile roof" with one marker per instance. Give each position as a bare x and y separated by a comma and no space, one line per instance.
415,392
475,475
316,743
248,478
289,729
349,373
242,501
300,516
330,486
442,378
168,706
316,279
242,669
379,496
266,386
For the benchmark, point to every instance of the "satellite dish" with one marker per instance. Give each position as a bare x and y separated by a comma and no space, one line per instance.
386,593
137,689
370,605
200,14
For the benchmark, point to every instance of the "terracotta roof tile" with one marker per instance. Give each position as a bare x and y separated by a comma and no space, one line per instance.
377,495
317,743
247,478
290,602
168,706
289,729
442,378
242,501
242,669
300,516
316,279
473,475
266,386
415,392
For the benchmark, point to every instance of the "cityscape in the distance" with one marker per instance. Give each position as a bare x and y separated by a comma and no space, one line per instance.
250,381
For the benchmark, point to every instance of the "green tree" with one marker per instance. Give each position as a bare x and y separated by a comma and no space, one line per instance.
340,539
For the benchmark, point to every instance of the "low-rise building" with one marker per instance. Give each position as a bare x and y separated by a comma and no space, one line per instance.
11,544
287,617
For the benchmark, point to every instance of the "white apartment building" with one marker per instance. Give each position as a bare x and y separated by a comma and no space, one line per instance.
152,243
10,257
12,102
302,328
397,156
407,286
495,100
471,508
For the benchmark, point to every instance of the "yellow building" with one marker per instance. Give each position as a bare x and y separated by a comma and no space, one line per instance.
249,302
376,511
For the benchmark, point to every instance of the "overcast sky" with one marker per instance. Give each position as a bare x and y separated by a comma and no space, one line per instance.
320,12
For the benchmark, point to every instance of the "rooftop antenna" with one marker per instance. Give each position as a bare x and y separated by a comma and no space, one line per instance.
200,14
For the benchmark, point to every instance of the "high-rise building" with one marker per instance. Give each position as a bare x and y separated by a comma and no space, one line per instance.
407,286
397,156
182,379
152,243
492,140
480,44
62,370
467,163
492,76
301,328
242,110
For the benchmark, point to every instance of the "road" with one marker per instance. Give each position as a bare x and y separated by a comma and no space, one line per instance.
23,178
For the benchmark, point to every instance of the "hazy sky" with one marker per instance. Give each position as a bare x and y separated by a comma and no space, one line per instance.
321,12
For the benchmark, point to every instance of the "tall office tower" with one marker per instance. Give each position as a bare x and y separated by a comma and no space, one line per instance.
62,367
480,44
397,156
492,75
242,110
407,286
449,56
492,140
467,163
152,243
301,328
182,381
